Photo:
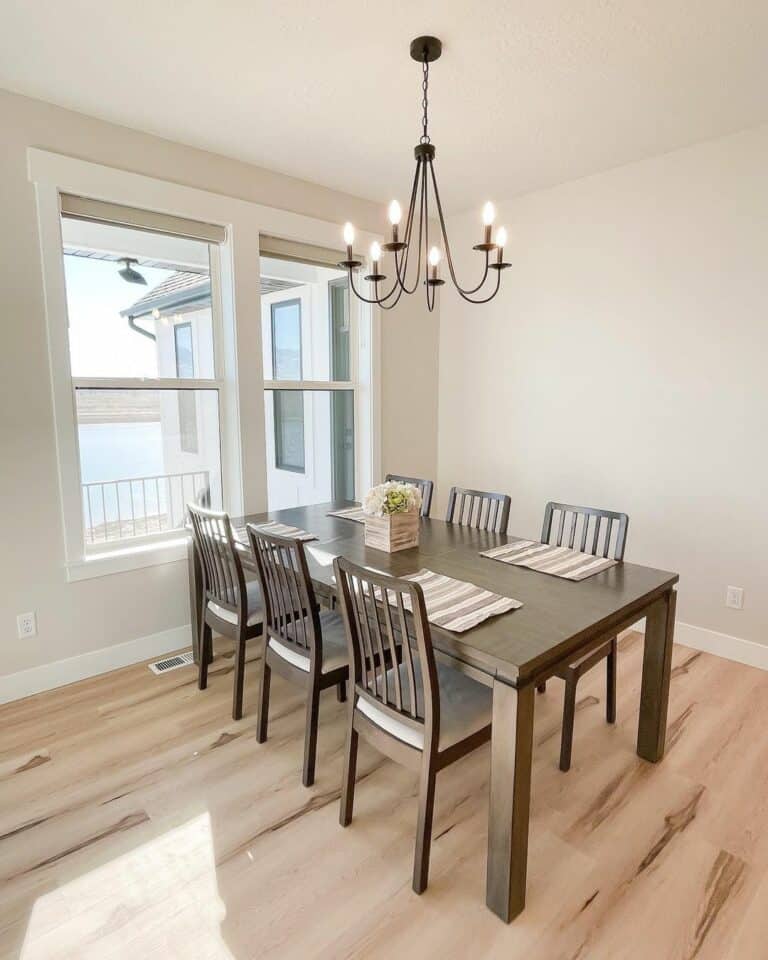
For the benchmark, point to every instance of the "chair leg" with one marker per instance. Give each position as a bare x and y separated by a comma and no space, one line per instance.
206,643
541,687
424,827
348,780
569,713
610,698
341,691
310,736
237,696
263,707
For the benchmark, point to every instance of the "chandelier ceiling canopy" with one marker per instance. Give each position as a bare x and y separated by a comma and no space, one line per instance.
409,253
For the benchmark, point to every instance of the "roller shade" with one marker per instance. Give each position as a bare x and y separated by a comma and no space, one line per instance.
300,252
97,211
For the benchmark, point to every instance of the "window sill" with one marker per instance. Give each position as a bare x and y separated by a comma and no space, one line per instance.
128,558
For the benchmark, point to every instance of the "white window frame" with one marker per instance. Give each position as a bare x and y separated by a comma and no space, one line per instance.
241,398
363,328
216,384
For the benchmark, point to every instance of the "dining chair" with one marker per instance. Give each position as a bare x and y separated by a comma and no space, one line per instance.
303,645
479,509
425,487
417,711
602,533
229,604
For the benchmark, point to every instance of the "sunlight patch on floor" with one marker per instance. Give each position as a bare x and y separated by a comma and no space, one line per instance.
159,900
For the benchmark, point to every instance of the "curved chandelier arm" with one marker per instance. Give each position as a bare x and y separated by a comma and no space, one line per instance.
465,292
490,295
402,277
399,285
394,303
379,301
425,214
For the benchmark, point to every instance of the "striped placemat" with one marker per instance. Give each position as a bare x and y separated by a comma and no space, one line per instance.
276,529
544,558
349,513
457,605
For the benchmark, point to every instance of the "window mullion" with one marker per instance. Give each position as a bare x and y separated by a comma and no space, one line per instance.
316,385
161,383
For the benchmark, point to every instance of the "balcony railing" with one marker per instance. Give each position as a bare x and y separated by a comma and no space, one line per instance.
137,506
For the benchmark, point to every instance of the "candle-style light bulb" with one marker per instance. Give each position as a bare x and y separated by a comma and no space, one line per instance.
395,216
375,253
349,239
434,260
501,239
489,215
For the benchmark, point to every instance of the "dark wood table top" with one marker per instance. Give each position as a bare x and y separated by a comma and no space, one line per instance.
558,616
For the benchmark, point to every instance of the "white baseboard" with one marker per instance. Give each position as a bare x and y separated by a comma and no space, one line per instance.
14,686
721,644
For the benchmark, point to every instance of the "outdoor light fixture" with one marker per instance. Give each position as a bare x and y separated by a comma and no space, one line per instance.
129,274
424,50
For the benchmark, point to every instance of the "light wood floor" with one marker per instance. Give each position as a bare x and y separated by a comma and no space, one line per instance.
138,821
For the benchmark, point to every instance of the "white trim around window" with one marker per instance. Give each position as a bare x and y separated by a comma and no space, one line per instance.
239,371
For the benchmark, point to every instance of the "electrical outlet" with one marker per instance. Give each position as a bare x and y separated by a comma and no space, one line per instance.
734,597
26,625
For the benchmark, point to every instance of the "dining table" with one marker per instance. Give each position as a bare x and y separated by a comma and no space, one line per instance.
511,653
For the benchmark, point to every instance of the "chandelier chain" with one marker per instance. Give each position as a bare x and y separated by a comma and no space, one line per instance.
425,101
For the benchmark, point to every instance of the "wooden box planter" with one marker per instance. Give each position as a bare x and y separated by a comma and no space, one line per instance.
398,531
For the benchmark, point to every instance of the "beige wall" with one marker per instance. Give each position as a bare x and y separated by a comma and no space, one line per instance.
76,618
624,366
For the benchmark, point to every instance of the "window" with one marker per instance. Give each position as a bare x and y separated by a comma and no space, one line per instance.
94,388
185,358
338,313
142,360
286,340
310,402
288,407
289,430
185,367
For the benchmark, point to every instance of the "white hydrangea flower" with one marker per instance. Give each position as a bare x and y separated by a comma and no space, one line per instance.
392,497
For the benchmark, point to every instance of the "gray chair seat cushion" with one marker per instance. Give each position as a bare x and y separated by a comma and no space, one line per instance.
254,606
335,653
465,707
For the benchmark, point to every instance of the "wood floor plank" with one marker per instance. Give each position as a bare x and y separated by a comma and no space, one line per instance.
137,820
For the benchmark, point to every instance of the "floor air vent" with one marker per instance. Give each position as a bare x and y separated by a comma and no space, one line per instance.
171,663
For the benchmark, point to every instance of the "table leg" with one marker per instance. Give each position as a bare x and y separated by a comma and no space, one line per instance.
657,663
195,591
510,799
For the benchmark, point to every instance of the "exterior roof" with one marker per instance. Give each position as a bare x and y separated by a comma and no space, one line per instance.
183,288
180,288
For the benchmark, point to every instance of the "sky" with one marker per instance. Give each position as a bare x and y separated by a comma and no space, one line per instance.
101,342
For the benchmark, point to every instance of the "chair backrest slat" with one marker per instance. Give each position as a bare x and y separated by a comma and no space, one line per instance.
291,613
223,579
425,486
584,532
478,509
403,647
603,540
392,645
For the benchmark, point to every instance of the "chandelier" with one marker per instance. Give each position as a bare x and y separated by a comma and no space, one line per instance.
408,269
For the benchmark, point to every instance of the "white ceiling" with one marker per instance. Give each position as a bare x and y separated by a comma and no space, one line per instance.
527,94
